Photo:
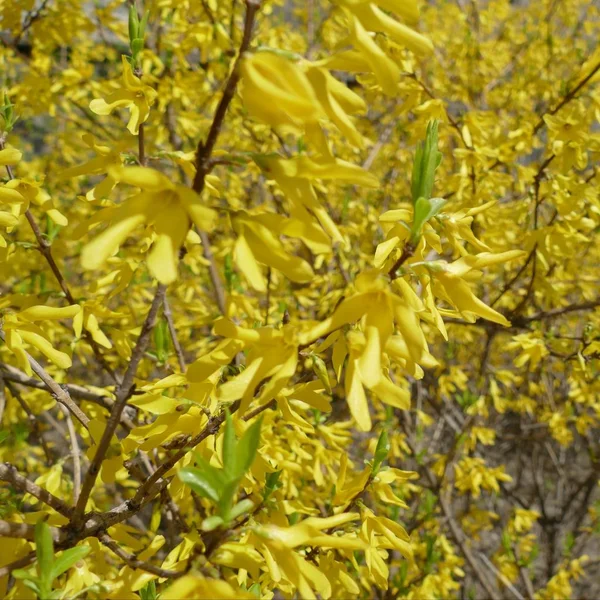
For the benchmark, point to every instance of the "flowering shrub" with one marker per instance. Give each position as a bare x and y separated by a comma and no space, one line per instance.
299,299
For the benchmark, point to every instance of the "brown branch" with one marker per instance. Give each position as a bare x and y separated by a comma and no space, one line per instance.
74,455
173,333
568,97
15,375
213,271
59,393
24,531
407,252
550,314
10,474
33,421
260,409
30,19
205,149
45,249
135,563
122,395
18,564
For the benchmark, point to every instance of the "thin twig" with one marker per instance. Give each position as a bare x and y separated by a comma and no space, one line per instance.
122,395
568,97
59,393
45,249
15,375
490,565
10,474
35,424
135,563
205,149
23,531
173,333
74,455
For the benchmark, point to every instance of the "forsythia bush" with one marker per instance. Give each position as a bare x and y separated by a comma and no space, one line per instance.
299,299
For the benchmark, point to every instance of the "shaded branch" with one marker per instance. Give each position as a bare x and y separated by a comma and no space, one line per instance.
59,393
10,474
122,395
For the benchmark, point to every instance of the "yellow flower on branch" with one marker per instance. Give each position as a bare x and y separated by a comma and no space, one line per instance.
106,157
134,95
171,208
21,330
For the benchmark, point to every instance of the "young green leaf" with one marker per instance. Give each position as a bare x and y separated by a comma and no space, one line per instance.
246,448
226,500
240,508
44,549
202,482
211,523
229,444
381,451
427,160
67,559
134,22
271,484
425,209
148,592
143,24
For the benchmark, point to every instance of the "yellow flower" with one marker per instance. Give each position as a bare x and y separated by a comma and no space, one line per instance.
134,95
276,90
21,193
9,156
106,157
272,353
21,330
168,206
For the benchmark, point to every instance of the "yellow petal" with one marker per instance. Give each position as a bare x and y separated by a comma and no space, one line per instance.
10,156
60,359
356,398
36,313
142,177
100,248
244,260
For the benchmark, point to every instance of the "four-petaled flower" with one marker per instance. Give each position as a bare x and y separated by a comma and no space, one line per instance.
169,207
134,95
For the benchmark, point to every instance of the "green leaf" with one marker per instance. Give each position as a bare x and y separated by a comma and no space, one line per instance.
229,445
33,585
427,160
137,46
44,549
254,589
320,370
425,209
226,500
246,449
161,340
24,574
271,484
148,592
240,508
381,451
211,523
67,559
202,481
134,22
143,24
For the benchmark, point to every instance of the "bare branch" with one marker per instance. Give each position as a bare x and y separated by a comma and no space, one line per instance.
173,332
10,474
135,563
122,395
59,393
